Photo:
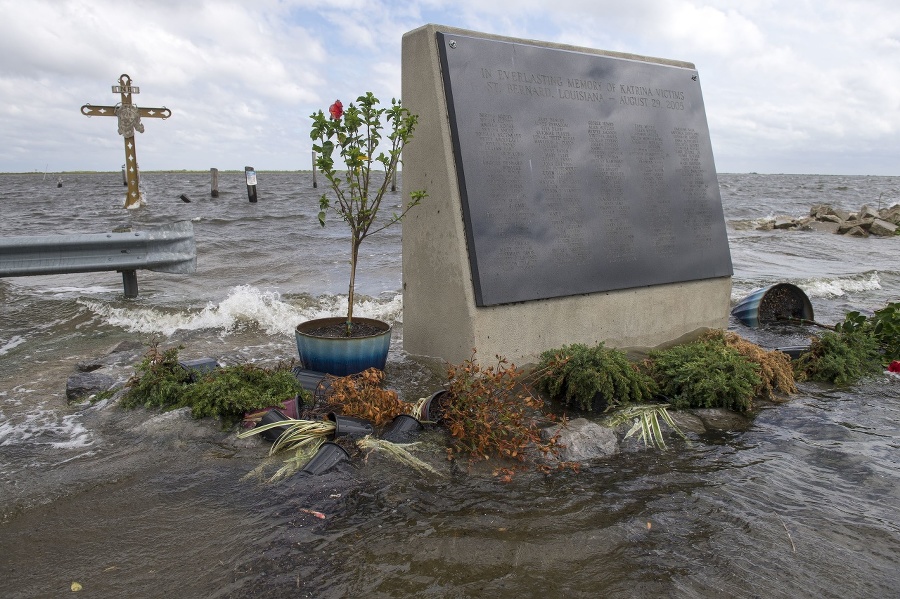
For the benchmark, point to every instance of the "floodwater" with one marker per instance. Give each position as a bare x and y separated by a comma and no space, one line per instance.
800,502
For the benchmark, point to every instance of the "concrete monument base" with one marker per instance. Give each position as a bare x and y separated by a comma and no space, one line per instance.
440,315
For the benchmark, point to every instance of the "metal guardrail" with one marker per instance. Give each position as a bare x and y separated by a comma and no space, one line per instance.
167,248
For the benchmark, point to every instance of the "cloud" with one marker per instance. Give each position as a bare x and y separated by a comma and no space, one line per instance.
780,80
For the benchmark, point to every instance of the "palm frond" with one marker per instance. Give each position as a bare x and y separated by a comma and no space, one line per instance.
396,451
646,425
297,435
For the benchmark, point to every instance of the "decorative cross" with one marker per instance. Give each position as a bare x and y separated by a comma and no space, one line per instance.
129,119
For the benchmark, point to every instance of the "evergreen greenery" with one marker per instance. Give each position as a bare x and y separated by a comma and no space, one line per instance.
705,374
160,381
883,325
593,378
226,393
842,357
230,392
775,370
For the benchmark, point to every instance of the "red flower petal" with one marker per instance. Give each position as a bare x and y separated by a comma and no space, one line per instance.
336,110
895,366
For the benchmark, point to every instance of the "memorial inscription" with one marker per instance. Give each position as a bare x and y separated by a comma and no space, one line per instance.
579,172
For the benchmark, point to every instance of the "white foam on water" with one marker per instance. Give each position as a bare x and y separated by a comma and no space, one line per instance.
827,288
94,290
46,427
839,286
244,305
11,343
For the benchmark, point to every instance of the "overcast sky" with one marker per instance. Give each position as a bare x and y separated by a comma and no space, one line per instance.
791,86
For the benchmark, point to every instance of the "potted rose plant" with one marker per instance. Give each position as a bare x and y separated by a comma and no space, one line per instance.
342,346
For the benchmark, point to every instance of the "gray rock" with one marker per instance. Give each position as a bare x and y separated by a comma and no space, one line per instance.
883,228
857,232
84,384
581,440
848,226
830,218
841,214
822,226
722,419
687,422
820,210
867,212
785,222
892,214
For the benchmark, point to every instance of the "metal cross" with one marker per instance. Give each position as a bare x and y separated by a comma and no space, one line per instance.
129,117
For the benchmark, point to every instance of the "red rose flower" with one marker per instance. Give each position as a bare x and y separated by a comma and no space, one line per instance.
336,110
895,366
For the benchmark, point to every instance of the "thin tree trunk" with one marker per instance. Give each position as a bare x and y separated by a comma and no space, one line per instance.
354,256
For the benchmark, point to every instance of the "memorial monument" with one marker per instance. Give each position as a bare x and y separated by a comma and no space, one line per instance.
129,116
573,198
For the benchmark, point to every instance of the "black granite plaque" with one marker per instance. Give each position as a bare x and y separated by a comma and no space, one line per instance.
580,173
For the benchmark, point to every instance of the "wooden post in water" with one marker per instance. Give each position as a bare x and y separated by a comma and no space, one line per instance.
250,173
124,177
214,182
314,169
394,181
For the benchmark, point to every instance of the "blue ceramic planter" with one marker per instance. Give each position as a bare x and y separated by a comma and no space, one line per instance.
341,356
779,302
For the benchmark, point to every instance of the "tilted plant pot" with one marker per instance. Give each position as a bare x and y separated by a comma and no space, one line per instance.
348,426
434,408
269,417
341,356
402,429
780,302
329,455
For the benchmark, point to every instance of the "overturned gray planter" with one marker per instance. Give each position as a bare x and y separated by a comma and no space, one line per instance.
782,302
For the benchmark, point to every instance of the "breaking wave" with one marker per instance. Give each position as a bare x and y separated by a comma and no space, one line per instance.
244,306
839,286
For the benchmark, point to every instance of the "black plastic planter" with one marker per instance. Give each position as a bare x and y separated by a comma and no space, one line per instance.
433,410
402,429
348,426
329,455
269,417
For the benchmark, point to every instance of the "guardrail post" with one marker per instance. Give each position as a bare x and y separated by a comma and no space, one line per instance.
129,280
